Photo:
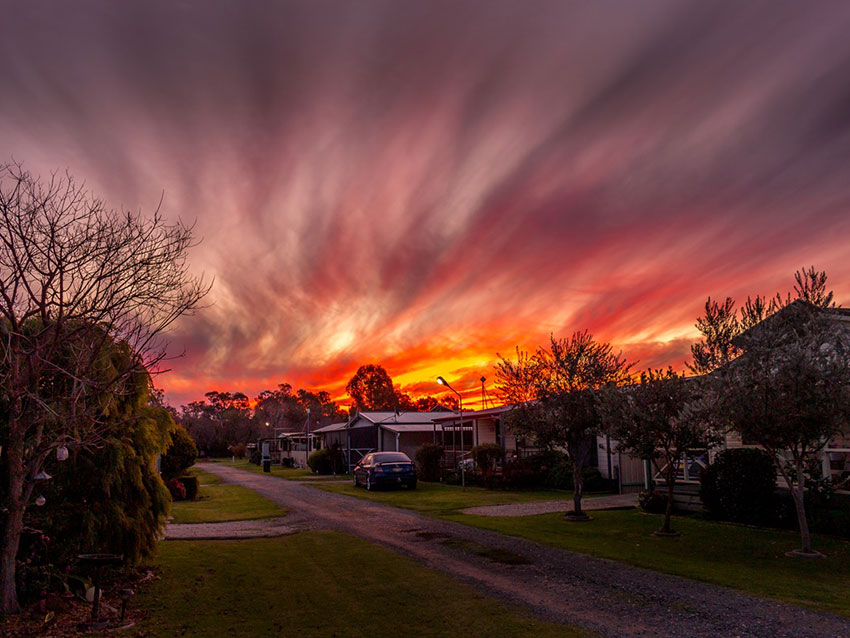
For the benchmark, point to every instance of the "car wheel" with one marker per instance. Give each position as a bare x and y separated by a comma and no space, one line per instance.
411,485
369,485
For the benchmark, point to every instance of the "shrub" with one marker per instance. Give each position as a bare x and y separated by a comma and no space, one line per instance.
255,458
190,484
327,460
593,480
740,486
320,461
238,450
109,499
486,456
520,478
653,502
180,455
177,489
428,458
559,475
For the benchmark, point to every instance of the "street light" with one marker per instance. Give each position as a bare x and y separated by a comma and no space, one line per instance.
442,381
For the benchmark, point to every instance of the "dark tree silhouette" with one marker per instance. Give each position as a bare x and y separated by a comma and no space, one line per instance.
371,388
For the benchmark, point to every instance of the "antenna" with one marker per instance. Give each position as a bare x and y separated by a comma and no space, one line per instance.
484,397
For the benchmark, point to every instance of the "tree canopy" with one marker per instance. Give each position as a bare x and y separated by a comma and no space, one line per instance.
554,392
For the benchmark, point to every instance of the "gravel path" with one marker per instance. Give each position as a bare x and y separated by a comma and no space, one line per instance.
601,595
260,528
529,508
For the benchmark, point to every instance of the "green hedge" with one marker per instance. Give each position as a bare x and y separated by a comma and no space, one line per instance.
428,458
740,486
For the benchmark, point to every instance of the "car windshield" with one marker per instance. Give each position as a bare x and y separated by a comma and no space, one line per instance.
392,457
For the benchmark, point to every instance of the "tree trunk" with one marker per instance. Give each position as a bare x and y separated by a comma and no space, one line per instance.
11,539
668,512
798,493
578,485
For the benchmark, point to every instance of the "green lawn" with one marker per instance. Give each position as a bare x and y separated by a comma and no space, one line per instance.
219,502
316,584
288,473
438,499
750,559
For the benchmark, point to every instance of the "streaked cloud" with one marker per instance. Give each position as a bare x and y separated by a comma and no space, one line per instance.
425,184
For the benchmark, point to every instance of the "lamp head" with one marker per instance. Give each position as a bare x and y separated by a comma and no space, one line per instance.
441,381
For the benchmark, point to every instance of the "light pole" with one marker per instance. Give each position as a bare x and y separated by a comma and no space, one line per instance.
442,381
307,440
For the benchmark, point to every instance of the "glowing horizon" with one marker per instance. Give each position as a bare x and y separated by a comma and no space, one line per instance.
424,185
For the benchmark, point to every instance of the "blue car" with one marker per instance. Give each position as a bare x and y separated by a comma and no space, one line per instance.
383,469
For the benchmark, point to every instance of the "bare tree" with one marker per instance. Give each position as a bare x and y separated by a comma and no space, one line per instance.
75,277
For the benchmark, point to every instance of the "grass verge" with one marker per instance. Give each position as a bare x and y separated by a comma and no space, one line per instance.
288,473
256,588
744,558
220,502
437,499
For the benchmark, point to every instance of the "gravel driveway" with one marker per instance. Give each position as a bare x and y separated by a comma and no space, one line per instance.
601,595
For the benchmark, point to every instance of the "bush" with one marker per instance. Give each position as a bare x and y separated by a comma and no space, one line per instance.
190,484
320,461
486,456
740,486
653,502
428,458
177,489
255,458
520,478
593,481
180,455
452,477
327,460
560,474
238,450
109,499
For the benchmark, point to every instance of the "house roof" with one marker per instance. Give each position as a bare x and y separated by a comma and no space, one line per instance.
474,414
799,306
333,427
409,427
397,417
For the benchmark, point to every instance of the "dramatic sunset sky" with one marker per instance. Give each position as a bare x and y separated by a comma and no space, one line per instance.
423,184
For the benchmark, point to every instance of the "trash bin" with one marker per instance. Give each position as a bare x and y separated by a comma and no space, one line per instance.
267,465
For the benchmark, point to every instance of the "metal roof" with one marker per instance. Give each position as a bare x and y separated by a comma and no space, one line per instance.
398,417
333,427
409,427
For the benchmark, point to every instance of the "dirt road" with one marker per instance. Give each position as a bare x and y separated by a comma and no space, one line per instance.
601,595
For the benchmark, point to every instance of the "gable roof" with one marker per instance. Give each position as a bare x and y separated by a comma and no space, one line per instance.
474,414
798,306
333,427
396,417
